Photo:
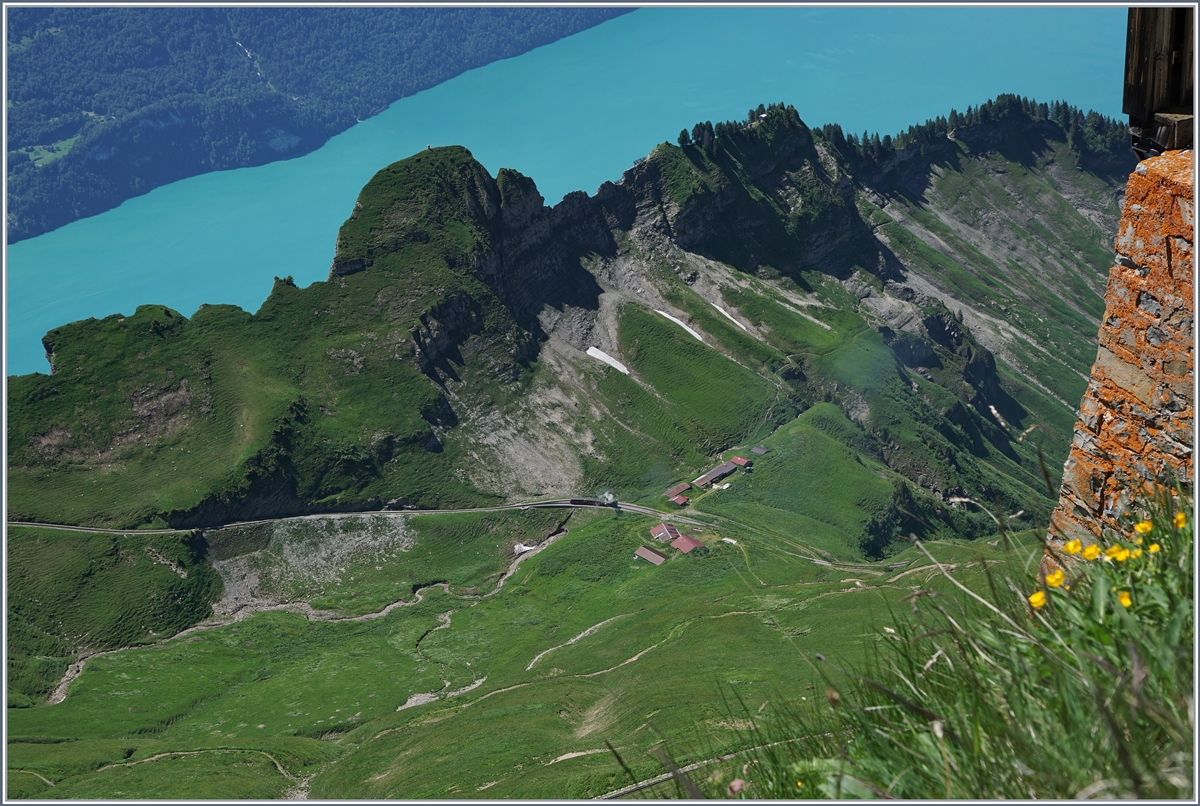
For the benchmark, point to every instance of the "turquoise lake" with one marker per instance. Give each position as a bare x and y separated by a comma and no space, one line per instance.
570,115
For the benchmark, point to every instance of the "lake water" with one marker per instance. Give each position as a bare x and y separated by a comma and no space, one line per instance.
571,115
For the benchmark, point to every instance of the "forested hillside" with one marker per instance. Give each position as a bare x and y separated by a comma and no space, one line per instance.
109,103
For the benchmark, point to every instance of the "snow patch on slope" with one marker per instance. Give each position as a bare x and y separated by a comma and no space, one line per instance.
725,313
682,325
596,352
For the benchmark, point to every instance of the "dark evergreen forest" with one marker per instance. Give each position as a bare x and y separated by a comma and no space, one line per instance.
1101,142
108,103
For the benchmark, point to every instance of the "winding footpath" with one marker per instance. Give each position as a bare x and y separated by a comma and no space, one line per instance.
304,609
299,784
310,613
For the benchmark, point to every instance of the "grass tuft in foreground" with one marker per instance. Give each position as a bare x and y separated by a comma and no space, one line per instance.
1074,685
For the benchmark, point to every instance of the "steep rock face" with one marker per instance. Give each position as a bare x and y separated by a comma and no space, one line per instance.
764,195
1137,415
494,239
537,262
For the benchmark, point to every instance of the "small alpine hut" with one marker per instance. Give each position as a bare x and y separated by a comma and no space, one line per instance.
679,500
678,489
760,450
650,555
664,533
741,461
686,543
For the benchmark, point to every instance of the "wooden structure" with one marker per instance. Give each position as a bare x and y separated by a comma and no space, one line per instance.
679,499
678,489
650,555
741,461
760,450
1159,58
716,474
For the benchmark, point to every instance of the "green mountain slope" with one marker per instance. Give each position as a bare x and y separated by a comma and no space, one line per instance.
899,325
444,363
71,593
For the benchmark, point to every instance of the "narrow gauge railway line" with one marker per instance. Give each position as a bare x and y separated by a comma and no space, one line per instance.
560,503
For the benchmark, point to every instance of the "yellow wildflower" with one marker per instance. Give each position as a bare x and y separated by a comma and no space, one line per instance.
1143,528
1091,552
1124,598
1154,548
1138,540
1180,520
1133,555
1112,551
1055,578
1073,546
1122,555
1037,599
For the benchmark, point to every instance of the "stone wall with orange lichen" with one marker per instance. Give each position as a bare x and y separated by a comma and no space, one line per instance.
1136,418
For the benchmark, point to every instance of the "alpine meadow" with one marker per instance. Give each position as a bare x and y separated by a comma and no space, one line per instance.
377,539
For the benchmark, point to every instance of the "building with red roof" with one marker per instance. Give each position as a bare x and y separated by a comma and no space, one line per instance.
686,543
664,532
741,461
680,500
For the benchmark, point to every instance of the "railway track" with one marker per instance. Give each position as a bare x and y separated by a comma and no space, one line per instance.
554,503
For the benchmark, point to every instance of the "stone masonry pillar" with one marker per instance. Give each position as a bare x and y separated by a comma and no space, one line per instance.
1136,417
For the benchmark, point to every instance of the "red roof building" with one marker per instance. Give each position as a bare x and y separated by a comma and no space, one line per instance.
664,532
741,461
680,500
678,489
686,543
650,555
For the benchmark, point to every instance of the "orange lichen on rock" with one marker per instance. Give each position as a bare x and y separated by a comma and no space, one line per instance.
1135,426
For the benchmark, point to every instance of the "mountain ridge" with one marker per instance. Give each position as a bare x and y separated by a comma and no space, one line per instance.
474,309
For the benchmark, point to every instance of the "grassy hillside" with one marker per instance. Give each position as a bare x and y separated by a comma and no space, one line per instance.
70,593
671,650
812,487
867,315
437,307
162,416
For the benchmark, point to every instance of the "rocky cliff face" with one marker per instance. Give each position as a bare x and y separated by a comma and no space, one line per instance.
1136,418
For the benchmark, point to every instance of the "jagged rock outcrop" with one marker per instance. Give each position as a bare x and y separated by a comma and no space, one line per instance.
1136,418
